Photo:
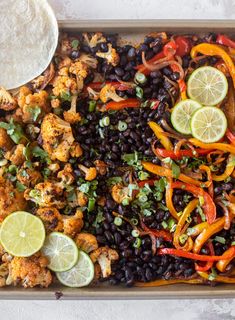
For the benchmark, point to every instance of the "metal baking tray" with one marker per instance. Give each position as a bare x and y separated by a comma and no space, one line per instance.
133,29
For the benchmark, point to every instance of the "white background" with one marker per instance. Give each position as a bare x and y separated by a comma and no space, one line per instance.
129,310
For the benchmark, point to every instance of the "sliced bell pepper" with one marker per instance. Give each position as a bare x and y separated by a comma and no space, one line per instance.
157,233
186,213
158,131
208,206
182,153
169,49
162,282
198,228
209,182
141,67
194,256
214,50
150,182
230,136
128,103
213,146
117,85
218,278
169,201
165,172
213,228
183,45
225,41
228,171
209,264
222,264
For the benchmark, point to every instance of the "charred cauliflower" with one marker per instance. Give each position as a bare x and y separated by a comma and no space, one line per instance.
111,55
28,177
6,144
108,92
73,224
57,137
51,218
16,155
104,256
86,242
7,102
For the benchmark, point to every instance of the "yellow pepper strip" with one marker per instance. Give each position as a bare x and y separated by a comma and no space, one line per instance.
186,213
183,95
214,50
169,202
159,133
219,146
161,282
213,228
228,171
222,264
197,229
165,172
218,278
209,183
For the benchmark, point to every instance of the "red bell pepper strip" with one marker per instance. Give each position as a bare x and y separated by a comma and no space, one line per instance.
170,49
117,85
195,256
128,103
209,264
225,41
208,206
157,233
230,136
141,67
182,153
183,46
150,182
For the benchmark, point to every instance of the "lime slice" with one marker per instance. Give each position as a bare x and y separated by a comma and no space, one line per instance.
61,251
182,113
22,234
207,85
208,124
80,275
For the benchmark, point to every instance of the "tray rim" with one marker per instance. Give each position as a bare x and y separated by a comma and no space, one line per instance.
120,293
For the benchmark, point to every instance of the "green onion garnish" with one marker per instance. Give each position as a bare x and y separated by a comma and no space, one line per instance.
135,233
164,224
125,202
92,105
137,243
134,221
91,204
122,126
220,239
118,221
140,78
139,92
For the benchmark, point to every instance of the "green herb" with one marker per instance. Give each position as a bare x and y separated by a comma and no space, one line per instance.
143,198
71,196
134,221
42,154
118,221
24,173
135,233
113,180
92,106
104,122
12,169
132,159
182,238
147,212
171,223
140,78
131,188
36,195
65,96
14,130
186,198
35,111
26,152
125,202
99,218
142,175
101,133
212,276
20,187
190,231
195,163
137,243
161,206
202,215
122,126
175,170
139,92
233,243
164,224
46,172
91,204
75,44
85,187
220,239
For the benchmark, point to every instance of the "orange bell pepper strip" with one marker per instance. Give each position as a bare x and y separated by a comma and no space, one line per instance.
208,206
197,229
213,146
182,153
209,264
228,171
128,103
213,228
218,278
225,41
159,133
194,256
230,136
186,213
214,50
165,172
209,183
162,282
222,264
169,202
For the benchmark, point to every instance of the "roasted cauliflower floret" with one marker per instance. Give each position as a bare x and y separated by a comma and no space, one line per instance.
73,224
101,167
120,193
104,256
16,155
51,218
108,92
76,150
31,271
6,144
7,102
32,105
72,116
90,173
93,40
46,194
81,199
63,85
66,175
88,60
4,275
57,137
43,80
10,199
111,55
28,177
86,242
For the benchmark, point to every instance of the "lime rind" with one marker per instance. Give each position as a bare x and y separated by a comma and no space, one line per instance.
208,124
207,85
22,234
182,113
61,251
80,275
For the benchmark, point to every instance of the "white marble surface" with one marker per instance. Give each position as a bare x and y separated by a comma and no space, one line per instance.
127,310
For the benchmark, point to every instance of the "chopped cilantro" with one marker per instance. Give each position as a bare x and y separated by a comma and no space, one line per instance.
20,187
202,215
65,96
42,154
35,111
75,44
212,276
175,170
99,218
220,239
14,130
113,180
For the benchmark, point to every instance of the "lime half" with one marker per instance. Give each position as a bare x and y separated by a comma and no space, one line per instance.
182,113
22,234
80,275
208,124
61,251
207,85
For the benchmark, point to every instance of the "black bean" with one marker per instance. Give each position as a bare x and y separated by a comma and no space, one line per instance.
131,54
117,238
110,204
148,274
109,236
126,253
101,239
146,255
126,76
227,186
119,71
75,54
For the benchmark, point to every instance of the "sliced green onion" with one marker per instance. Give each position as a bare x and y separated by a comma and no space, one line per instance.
140,78
201,200
125,202
212,276
134,221
171,223
220,239
164,224
104,122
135,233
233,243
3,162
91,106
137,243
139,92
122,126
143,175
118,221
147,212
183,238
101,133
12,168
143,198
202,215
91,204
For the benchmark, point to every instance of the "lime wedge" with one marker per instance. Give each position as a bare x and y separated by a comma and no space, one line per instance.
61,251
22,234
208,124
182,113
207,85
80,275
